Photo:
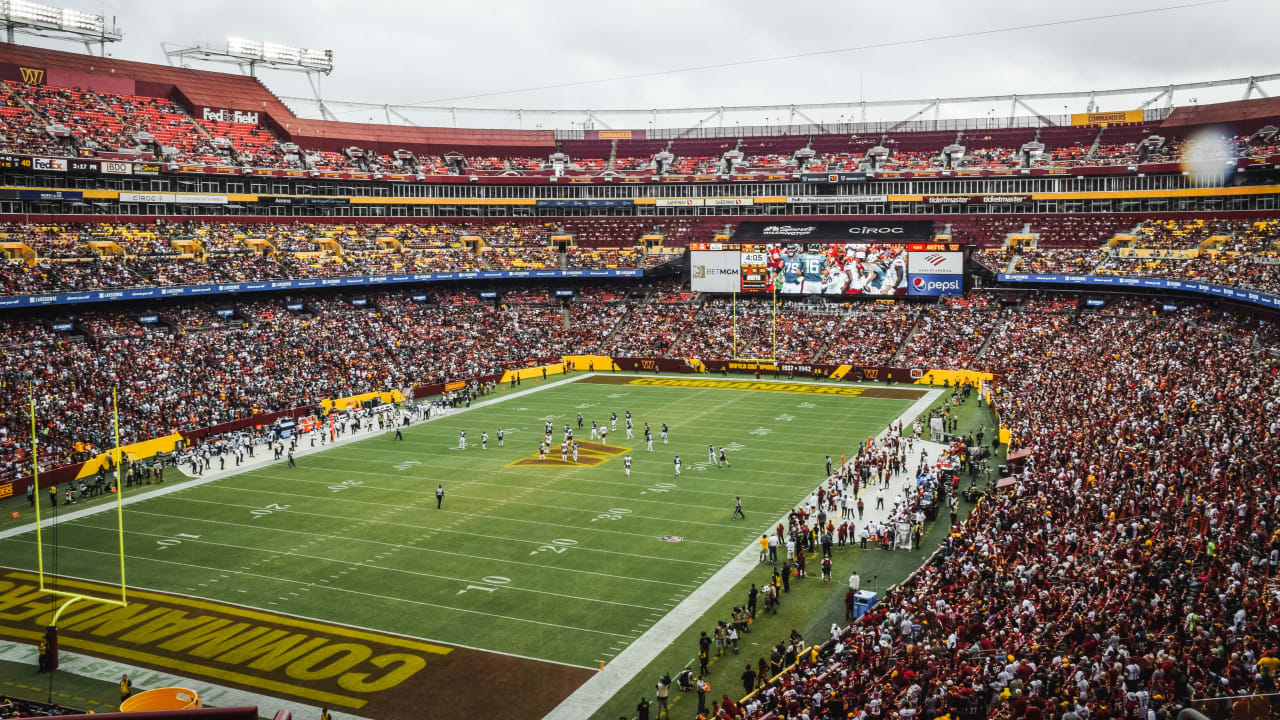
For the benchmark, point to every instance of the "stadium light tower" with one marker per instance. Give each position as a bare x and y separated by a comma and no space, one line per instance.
249,55
32,18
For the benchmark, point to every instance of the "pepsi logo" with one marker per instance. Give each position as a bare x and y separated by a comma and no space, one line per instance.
917,283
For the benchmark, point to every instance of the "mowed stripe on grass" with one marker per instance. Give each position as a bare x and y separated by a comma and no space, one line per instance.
565,564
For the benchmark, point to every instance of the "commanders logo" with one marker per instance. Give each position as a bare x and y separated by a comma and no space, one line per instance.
32,76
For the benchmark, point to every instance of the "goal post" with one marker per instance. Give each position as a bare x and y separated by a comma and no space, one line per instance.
72,597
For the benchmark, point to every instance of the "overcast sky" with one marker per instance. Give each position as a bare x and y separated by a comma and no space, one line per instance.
446,52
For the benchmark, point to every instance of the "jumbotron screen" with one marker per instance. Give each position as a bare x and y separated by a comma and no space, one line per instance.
827,263
824,269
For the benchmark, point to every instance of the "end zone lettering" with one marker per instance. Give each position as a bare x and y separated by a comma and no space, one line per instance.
319,662
807,388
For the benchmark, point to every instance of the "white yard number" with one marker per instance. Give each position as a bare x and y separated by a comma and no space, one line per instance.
761,431
556,546
734,447
492,582
612,514
171,542
806,405
407,464
785,417
264,511
345,485
660,487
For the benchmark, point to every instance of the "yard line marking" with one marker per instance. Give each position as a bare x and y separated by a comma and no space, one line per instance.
486,516
333,588
420,549
785,501
724,494
596,511
410,572
394,547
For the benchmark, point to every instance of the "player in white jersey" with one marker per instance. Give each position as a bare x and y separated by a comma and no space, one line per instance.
548,427
462,440
723,459
575,451
564,451
626,464
548,439
629,428
711,455
542,451
484,440
499,437
835,281
604,433
677,465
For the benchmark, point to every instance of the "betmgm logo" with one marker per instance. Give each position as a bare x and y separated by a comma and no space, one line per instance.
702,272
32,76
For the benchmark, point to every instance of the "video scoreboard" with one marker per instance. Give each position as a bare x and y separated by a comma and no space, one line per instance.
827,268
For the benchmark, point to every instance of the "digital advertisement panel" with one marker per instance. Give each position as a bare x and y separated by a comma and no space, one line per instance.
714,271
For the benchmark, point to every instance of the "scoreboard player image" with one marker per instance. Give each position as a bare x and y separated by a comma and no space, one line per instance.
837,269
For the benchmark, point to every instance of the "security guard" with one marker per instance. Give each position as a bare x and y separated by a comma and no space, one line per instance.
126,688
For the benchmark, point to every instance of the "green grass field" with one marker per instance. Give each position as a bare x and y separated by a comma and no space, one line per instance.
565,564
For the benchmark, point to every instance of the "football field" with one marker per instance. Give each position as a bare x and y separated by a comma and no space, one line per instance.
555,566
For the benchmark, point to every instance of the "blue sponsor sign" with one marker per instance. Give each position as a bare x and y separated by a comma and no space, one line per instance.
55,195
935,284
231,288
1242,295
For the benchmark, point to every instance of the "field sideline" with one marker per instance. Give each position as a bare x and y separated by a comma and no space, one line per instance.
564,564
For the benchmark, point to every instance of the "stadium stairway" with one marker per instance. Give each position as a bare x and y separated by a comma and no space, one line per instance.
996,329
906,341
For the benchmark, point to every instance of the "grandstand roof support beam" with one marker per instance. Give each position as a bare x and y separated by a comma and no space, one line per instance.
1044,119
593,119
1253,87
811,121
718,113
324,109
932,105
1167,92
402,117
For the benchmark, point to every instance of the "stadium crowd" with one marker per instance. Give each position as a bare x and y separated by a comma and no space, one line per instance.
1128,574
46,119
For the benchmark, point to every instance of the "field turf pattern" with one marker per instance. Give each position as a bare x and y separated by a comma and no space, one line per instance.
352,535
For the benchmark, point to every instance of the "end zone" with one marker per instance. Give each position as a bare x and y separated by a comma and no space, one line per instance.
360,671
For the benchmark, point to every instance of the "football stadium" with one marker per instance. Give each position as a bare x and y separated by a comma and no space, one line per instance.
953,408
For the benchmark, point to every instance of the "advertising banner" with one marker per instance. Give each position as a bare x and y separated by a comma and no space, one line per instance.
935,284
117,168
1107,118
51,195
55,164
716,272
264,285
935,263
976,199
1230,293
865,231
